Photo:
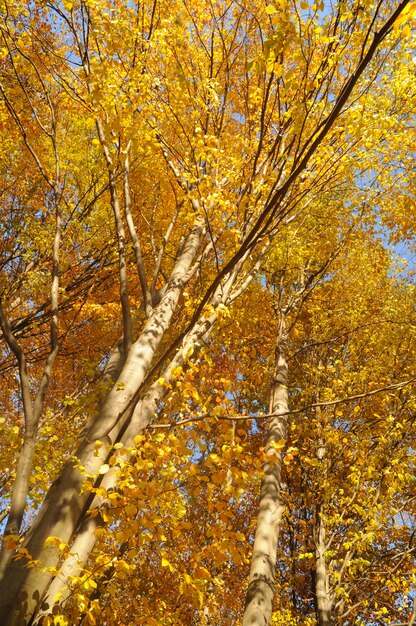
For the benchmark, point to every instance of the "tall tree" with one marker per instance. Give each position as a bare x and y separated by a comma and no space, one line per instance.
154,157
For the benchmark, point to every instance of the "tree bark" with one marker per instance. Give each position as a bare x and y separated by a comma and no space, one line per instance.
260,592
324,601
323,595
143,413
22,589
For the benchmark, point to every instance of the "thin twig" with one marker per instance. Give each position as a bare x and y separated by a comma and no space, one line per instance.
264,416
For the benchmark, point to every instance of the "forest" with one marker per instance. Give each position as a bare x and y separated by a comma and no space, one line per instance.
207,312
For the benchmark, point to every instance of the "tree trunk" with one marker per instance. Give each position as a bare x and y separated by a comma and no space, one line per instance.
260,592
324,600
143,413
22,589
323,595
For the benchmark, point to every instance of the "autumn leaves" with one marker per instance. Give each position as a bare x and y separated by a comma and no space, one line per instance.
183,186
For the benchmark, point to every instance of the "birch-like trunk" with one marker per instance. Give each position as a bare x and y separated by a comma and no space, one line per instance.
22,589
260,592
324,600
143,413
322,591
32,410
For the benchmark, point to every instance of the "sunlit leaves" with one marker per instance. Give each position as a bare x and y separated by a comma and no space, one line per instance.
216,104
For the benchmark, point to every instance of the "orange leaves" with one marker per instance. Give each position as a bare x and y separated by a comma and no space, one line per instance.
408,13
216,106
166,563
218,477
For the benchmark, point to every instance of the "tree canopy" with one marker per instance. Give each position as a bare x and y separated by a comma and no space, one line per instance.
207,312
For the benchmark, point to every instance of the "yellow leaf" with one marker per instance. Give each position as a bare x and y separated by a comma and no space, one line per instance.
180,511
202,573
278,70
166,563
91,618
270,9
50,541
278,445
104,468
131,510
407,31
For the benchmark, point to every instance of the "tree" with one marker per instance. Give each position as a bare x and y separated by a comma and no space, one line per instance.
343,458
155,157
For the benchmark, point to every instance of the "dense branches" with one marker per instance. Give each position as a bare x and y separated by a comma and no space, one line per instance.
182,184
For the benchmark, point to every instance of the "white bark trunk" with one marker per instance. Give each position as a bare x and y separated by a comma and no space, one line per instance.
323,594
22,589
143,413
324,600
260,592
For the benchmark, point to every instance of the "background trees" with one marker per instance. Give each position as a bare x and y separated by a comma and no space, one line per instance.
176,178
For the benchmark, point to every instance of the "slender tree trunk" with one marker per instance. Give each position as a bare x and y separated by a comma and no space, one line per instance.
143,413
324,601
22,589
32,410
322,591
121,241
260,592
